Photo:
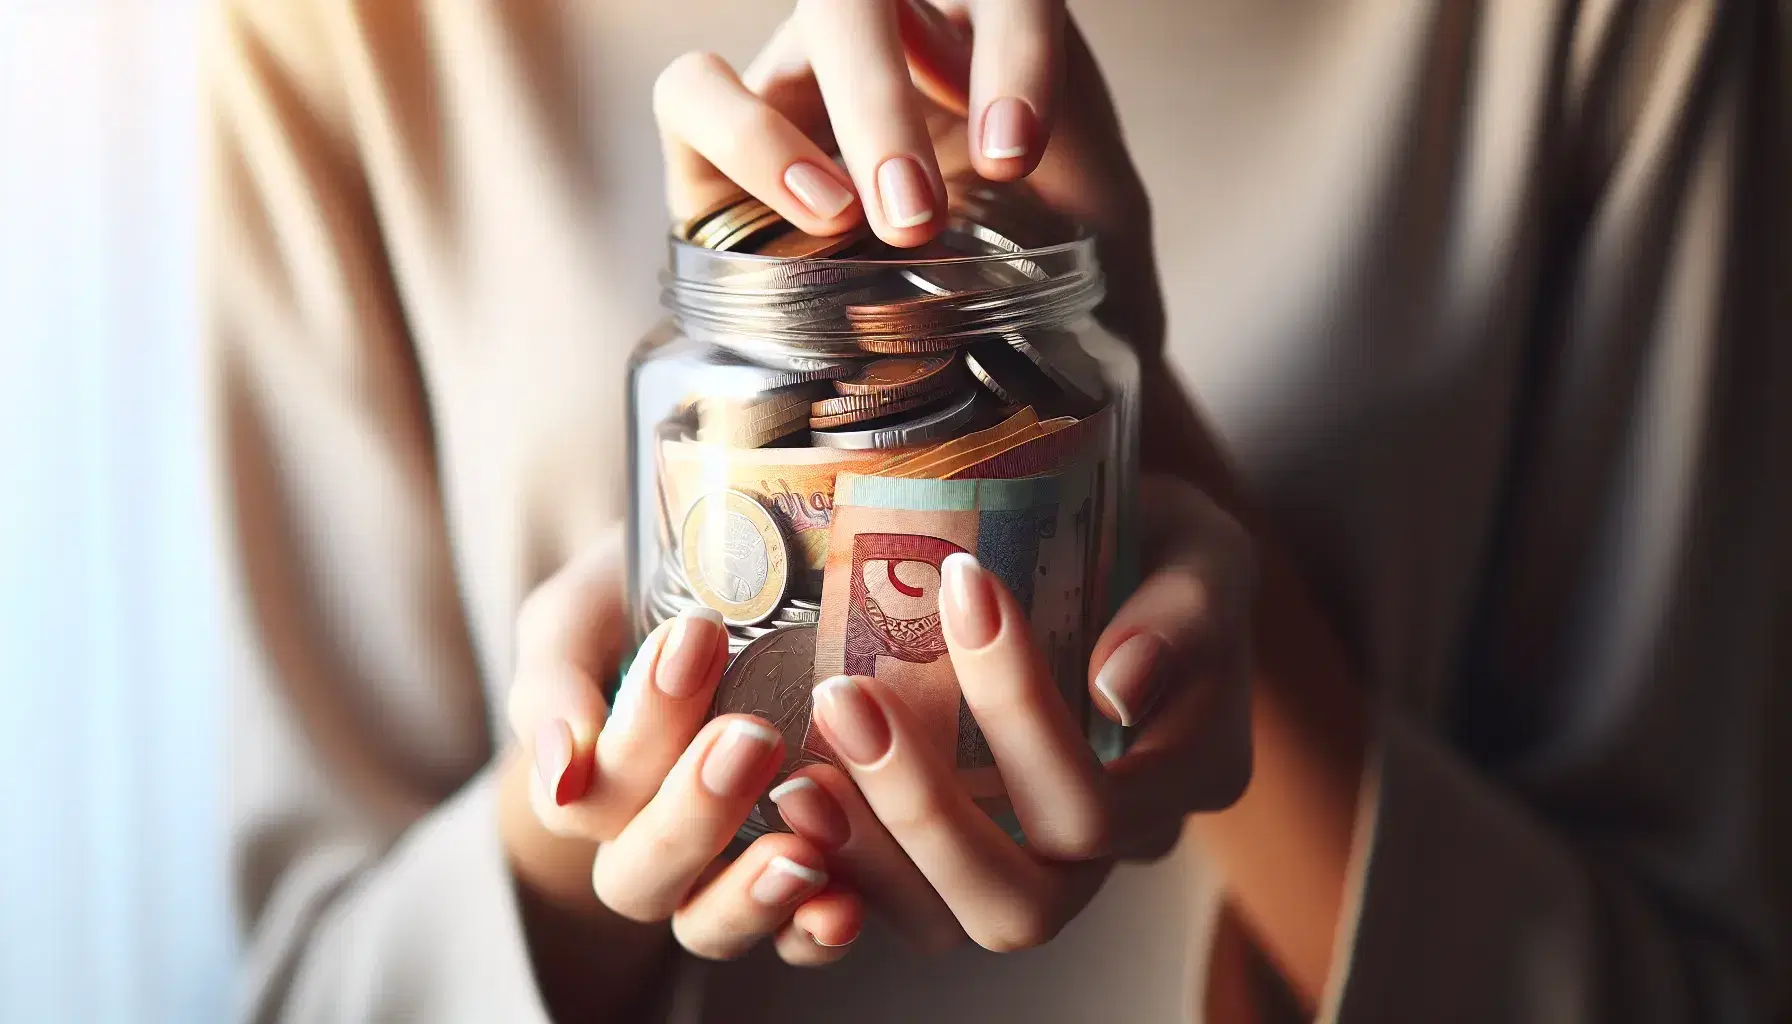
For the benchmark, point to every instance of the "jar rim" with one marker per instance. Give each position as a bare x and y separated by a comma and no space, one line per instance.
1083,244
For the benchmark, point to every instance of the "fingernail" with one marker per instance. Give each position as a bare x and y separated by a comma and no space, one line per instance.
740,755
1125,678
903,190
553,753
811,812
785,881
968,601
854,722
689,649
831,945
1007,128
815,188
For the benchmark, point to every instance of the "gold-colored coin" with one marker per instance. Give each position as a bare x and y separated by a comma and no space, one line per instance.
901,375
734,557
691,225
863,413
800,245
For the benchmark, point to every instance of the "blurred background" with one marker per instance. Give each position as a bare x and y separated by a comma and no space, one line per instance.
112,901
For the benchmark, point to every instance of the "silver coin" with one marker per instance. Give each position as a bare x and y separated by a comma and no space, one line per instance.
937,425
797,616
734,376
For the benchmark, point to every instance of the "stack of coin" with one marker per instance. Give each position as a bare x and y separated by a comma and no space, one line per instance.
758,421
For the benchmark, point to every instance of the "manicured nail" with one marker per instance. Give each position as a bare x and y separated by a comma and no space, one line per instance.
785,881
903,190
1125,678
738,758
688,652
553,754
831,945
854,722
811,812
1007,128
815,188
968,602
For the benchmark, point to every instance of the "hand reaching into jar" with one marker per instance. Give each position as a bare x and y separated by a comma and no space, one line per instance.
1174,662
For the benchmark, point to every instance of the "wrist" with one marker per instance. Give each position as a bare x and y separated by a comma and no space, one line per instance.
589,962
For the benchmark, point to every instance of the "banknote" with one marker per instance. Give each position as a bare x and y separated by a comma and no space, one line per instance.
880,601
947,459
1010,426
796,485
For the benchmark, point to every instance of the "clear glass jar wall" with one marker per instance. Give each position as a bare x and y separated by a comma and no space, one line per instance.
812,436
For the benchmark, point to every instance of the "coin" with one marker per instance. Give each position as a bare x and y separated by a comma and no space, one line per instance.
900,375
693,224
935,424
849,409
745,377
797,244
750,231
772,678
733,556
1013,377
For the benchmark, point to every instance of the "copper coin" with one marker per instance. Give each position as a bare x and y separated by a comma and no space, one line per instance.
900,375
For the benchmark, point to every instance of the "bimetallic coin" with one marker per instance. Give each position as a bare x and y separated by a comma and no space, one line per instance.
849,409
934,425
734,558
896,376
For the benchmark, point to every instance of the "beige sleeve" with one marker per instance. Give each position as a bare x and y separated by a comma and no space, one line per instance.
368,874
1582,842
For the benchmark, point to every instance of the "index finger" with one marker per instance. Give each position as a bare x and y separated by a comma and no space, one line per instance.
856,51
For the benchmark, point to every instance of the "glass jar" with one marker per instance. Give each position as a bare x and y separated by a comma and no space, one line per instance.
811,437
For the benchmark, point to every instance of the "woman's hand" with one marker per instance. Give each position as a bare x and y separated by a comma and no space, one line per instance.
659,788
1174,664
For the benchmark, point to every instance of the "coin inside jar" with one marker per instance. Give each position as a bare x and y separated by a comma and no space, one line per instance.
734,557
935,423
895,376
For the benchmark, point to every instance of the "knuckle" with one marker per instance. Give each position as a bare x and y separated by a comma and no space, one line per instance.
700,940
538,618
680,74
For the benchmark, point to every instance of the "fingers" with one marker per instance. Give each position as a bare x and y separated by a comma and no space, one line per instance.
1002,897
1014,76
822,805
1053,778
569,633
1175,663
756,895
857,54
645,872
719,137
822,930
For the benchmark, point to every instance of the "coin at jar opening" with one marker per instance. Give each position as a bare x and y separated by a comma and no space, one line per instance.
935,424
850,409
894,376
734,556
797,244
750,233
726,221
693,224
772,678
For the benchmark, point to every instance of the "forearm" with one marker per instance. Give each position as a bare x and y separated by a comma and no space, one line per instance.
590,964
1284,847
